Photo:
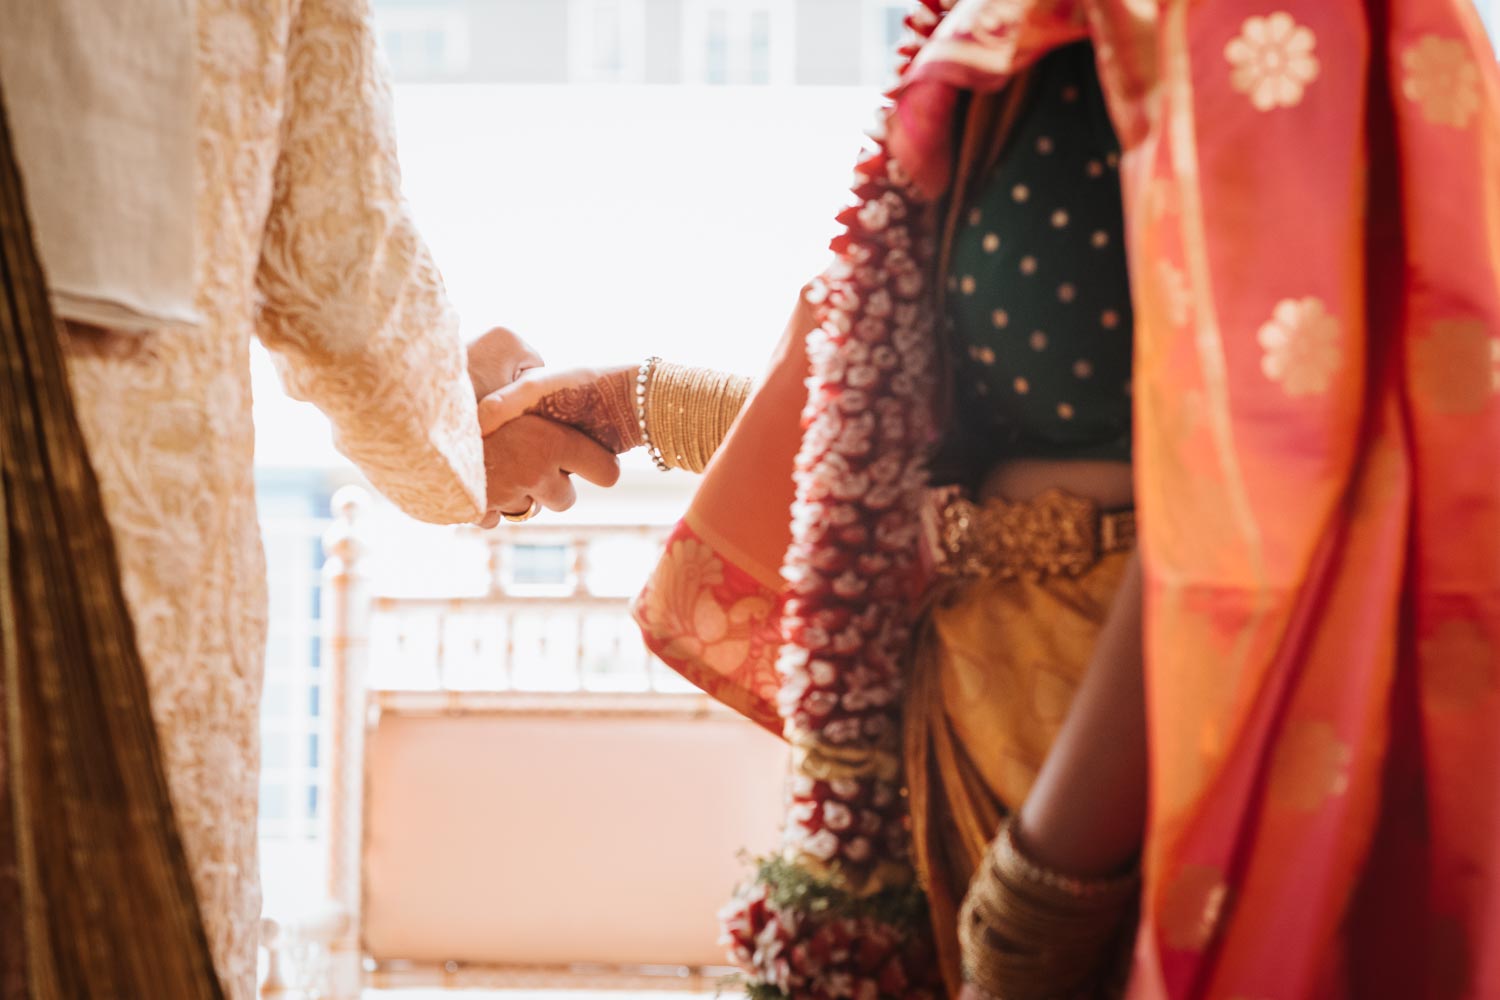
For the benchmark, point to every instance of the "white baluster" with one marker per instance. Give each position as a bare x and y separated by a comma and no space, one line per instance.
273,986
508,659
494,541
345,652
581,565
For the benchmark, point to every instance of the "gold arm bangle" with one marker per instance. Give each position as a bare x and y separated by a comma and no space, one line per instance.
688,412
1027,932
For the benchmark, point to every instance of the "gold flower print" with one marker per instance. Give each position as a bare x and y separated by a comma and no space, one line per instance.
1457,366
1458,665
1161,198
1302,345
1272,61
1174,288
1439,76
1311,766
1192,907
1192,413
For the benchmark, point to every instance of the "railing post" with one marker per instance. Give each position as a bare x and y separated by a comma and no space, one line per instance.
581,566
346,613
494,544
273,987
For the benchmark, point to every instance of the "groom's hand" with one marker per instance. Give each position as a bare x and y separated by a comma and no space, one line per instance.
598,401
497,358
530,459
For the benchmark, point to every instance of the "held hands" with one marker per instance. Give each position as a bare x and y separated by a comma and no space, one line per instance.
600,402
528,460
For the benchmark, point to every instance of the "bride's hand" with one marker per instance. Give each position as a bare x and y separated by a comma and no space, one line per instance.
600,402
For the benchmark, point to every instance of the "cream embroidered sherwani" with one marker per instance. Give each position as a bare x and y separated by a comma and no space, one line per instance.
304,242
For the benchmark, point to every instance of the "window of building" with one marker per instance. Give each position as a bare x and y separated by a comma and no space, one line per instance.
748,42
428,42
607,41
293,518
540,565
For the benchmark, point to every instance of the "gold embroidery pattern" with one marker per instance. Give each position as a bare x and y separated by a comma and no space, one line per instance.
1272,61
1311,766
1302,347
1457,366
1439,76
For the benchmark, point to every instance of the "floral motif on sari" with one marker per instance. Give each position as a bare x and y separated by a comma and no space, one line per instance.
1302,345
1457,365
1442,79
1273,61
714,624
1458,665
1311,765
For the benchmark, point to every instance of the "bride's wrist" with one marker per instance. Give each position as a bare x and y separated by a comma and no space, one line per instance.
617,390
685,413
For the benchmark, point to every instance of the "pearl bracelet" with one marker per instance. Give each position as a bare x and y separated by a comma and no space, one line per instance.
1009,857
642,379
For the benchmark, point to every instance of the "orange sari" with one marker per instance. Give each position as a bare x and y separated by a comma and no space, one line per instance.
1313,199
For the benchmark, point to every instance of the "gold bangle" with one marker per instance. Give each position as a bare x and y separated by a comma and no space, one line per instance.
1010,858
1028,932
689,411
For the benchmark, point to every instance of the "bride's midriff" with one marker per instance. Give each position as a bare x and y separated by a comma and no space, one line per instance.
1109,484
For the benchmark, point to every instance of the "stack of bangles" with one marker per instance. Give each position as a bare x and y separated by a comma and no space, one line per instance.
685,413
1028,932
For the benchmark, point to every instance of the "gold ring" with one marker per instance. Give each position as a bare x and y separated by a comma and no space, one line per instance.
526,515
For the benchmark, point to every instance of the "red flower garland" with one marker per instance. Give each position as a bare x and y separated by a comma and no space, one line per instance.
836,915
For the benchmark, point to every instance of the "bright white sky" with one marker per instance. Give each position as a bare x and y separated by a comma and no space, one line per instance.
608,223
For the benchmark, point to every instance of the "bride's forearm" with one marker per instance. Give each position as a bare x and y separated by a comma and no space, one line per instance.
682,414
1049,908
1086,813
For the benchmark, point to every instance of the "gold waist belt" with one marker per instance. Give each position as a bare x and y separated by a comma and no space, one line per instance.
1056,533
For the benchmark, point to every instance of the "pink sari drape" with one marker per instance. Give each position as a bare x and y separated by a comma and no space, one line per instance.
1313,197
1317,252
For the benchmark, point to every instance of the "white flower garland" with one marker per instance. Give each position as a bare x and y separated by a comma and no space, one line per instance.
856,529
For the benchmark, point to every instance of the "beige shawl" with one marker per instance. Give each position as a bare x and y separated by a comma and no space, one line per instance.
102,103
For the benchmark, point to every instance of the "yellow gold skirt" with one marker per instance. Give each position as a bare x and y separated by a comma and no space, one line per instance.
996,660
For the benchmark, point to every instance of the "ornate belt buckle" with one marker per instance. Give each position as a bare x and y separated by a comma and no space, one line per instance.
959,523
1058,533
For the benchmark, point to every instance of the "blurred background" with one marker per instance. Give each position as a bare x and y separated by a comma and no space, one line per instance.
611,179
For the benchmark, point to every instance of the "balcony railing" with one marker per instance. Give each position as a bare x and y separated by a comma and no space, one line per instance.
538,668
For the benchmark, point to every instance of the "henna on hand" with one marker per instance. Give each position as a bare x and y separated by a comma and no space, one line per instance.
603,409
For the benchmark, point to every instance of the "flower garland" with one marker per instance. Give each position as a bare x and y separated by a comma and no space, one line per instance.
836,914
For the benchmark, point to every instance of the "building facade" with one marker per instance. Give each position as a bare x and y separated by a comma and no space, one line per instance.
724,42
712,42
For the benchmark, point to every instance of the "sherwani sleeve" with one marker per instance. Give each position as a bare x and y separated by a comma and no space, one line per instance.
350,302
